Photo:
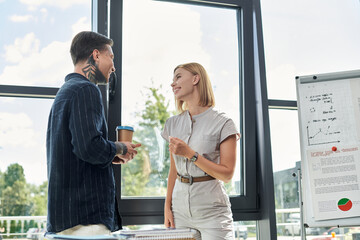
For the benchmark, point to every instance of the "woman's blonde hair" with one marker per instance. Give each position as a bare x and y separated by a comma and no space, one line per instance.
204,85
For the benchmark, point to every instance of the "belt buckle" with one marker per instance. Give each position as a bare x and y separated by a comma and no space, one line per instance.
190,180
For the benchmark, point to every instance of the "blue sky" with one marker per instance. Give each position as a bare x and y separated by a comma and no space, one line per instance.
35,39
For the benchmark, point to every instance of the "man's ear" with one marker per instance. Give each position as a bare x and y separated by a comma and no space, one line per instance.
196,79
95,54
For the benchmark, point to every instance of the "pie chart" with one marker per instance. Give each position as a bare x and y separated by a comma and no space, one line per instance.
344,204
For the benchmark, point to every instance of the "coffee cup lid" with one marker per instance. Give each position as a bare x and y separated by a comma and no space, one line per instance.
125,128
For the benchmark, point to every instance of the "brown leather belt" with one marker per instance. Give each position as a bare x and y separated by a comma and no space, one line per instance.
191,179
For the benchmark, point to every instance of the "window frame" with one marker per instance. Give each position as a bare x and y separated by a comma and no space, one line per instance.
149,210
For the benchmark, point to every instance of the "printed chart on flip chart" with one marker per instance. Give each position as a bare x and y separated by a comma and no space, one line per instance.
329,118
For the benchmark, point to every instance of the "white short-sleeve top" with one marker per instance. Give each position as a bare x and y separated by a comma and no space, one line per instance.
203,133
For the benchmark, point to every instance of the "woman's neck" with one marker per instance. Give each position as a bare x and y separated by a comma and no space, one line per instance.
192,104
196,109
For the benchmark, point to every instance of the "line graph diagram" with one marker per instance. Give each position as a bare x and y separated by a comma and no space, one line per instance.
321,117
322,136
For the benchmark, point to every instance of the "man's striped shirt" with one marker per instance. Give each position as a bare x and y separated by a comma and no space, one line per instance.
79,156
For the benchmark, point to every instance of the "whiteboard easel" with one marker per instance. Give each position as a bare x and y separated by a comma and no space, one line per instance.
329,121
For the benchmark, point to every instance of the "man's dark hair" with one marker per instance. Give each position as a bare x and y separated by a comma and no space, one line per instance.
84,43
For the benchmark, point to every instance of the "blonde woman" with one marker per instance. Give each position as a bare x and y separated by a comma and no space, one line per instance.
202,145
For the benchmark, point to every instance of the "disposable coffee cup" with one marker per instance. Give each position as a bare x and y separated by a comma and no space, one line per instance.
124,133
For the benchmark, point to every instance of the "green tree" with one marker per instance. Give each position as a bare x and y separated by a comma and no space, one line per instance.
19,198
16,200
2,183
147,173
156,109
38,199
2,187
15,195
135,174
14,172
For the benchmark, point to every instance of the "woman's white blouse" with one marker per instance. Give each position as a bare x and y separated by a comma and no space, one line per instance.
203,133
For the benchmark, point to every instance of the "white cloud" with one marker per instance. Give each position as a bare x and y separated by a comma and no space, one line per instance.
22,18
20,143
34,66
16,130
45,67
63,4
44,13
22,47
83,24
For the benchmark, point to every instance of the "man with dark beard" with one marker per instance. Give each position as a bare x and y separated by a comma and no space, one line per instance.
81,192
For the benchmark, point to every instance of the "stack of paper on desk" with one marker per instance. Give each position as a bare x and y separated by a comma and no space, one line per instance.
155,234
166,233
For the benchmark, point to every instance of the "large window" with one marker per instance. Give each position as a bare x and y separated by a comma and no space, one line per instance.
172,34
34,48
155,37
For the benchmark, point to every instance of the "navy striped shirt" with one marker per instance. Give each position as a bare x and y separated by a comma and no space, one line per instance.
80,174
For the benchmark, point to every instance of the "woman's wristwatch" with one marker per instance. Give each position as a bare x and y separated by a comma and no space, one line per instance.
195,157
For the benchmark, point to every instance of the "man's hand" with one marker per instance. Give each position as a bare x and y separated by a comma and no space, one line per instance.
131,153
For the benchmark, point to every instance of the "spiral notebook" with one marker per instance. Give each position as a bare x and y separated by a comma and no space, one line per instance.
157,234
154,234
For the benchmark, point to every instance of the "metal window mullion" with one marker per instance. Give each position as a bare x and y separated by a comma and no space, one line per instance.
214,3
28,91
282,104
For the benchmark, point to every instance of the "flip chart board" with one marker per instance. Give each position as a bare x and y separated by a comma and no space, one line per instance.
329,123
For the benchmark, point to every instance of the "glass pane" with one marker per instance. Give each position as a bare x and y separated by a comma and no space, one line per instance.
37,53
245,230
308,37
285,140
158,36
285,148
23,174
